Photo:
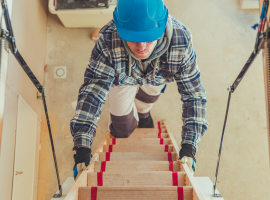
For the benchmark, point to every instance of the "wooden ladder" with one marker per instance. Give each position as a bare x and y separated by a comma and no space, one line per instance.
143,166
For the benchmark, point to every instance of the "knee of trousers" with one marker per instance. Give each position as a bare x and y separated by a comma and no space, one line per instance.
122,126
146,98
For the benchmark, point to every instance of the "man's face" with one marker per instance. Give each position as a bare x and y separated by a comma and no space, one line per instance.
142,50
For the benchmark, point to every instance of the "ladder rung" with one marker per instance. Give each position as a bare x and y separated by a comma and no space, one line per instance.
148,135
148,130
136,193
136,179
137,156
138,141
138,148
125,166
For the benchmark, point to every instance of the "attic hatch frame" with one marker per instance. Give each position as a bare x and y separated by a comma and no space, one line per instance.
7,38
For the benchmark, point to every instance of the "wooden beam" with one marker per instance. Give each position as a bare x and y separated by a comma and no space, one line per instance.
125,166
135,193
138,156
148,135
149,130
137,141
170,135
136,179
138,148
197,194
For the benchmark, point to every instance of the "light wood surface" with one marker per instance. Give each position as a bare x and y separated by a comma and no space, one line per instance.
170,136
138,148
149,130
138,161
138,156
197,193
148,135
135,193
138,141
136,179
125,166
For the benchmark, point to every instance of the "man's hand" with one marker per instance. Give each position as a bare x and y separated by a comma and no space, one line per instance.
187,155
82,160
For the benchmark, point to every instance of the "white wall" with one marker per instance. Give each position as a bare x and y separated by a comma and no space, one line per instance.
29,20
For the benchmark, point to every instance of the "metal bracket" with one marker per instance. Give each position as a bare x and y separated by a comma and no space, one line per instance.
42,89
263,40
39,97
217,195
58,195
14,45
10,41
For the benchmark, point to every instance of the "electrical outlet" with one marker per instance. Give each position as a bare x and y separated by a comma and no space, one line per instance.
60,72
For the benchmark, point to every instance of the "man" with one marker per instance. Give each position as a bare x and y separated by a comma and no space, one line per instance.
135,56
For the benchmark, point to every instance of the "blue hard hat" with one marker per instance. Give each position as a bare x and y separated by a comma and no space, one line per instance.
140,20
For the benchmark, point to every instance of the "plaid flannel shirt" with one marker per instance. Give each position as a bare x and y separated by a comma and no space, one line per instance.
109,65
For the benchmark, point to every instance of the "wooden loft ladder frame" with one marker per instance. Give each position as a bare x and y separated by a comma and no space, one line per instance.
190,183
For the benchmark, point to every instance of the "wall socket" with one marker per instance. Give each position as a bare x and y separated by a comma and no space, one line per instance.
60,72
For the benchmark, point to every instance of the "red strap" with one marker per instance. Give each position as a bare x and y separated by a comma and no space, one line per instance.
93,193
54,3
110,148
166,148
171,166
175,179
103,166
99,178
108,156
158,123
161,140
180,192
169,156
159,134
114,141
159,128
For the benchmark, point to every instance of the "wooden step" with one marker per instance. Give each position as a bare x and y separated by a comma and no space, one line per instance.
149,130
136,179
148,135
137,156
126,166
148,173
138,141
136,193
138,148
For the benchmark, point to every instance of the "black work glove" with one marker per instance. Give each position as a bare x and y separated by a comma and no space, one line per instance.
187,155
82,160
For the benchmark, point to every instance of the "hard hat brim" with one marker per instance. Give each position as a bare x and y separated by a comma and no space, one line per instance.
141,36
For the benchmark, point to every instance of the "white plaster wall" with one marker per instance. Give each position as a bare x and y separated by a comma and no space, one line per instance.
29,20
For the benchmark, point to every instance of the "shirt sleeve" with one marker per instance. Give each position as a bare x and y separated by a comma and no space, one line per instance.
193,96
98,78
